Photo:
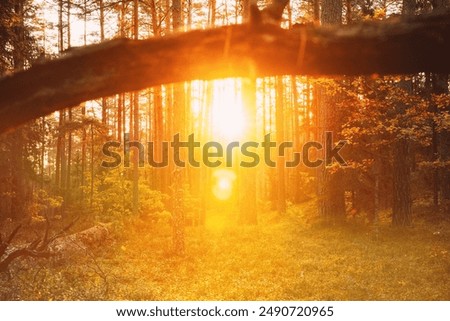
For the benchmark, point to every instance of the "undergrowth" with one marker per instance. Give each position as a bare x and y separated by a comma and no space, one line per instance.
295,257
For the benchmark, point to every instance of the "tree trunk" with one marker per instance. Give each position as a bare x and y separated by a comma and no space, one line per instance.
441,140
212,13
412,45
179,123
401,208
178,224
91,194
60,26
136,121
298,195
402,214
279,118
83,146
42,152
136,154
247,175
331,12
331,200
63,155
69,160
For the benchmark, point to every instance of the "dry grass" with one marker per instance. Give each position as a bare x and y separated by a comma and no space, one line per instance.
292,258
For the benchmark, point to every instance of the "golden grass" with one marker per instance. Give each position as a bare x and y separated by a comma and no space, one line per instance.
290,259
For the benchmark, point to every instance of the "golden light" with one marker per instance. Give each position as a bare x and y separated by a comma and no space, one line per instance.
223,184
228,119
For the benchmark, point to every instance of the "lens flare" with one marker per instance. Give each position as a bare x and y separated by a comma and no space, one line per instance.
223,180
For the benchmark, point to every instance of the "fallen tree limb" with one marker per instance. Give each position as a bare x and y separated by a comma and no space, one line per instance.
81,241
390,47
59,245
39,248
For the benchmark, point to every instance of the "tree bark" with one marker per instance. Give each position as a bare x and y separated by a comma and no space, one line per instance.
401,212
331,201
405,46
248,175
67,193
136,119
331,12
279,119
402,203
178,127
441,140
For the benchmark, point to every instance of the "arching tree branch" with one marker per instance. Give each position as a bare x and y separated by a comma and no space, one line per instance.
389,47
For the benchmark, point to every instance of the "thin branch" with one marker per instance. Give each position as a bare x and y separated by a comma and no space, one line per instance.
4,245
38,248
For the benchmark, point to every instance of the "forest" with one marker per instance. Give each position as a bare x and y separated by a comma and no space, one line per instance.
224,150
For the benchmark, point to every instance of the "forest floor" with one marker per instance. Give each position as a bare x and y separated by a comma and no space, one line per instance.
290,258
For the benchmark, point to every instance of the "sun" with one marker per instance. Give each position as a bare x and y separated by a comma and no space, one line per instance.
223,184
228,118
